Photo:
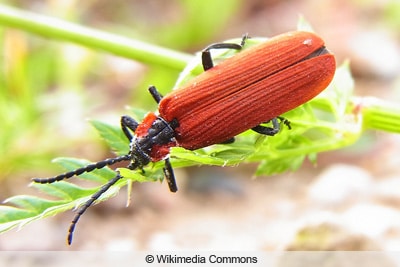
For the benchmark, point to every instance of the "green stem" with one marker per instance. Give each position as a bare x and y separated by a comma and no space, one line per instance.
119,45
379,114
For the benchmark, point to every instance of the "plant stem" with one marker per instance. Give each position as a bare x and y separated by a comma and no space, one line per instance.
119,45
378,114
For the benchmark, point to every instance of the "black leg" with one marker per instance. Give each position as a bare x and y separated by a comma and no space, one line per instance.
271,130
285,121
229,141
268,130
206,55
155,94
88,168
128,123
170,176
88,203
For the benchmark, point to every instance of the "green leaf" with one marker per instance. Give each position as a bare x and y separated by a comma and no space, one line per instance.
279,165
27,209
20,210
113,135
63,190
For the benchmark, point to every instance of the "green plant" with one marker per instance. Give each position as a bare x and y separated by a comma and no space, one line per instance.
333,120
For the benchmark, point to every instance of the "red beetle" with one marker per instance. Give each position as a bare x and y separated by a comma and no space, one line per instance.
250,88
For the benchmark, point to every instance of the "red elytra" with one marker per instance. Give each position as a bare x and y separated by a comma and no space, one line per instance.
247,89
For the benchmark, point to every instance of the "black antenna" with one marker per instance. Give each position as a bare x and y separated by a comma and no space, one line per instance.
88,168
139,156
88,203
95,196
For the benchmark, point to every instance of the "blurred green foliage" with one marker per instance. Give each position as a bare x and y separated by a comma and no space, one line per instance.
46,87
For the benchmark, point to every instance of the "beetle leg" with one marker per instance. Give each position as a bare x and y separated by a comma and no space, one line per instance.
206,55
285,121
128,123
170,176
229,141
268,130
271,131
155,94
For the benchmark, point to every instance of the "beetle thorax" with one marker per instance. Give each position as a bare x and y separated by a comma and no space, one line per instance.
153,143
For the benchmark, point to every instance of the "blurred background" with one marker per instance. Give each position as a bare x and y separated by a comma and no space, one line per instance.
49,89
